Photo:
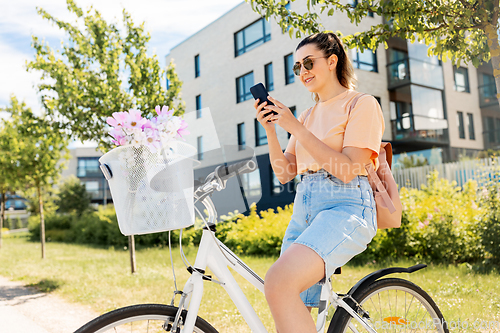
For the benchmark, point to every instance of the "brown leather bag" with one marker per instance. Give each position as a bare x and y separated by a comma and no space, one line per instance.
385,189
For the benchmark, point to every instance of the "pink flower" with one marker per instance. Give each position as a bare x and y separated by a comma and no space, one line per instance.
152,139
429,216
120,141
149,124
117,120
426,222
182,129
420,225
164,111
134,119
437,210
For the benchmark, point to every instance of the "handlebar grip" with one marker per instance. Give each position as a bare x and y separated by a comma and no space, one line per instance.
226,172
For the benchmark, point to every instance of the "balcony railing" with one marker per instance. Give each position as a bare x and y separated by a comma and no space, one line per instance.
398,73
487,95
99,194
420,128
410,70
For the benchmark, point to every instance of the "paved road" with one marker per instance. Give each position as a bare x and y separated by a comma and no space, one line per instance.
28,310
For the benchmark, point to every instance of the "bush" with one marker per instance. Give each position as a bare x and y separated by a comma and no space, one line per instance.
73,197
440,223
490,222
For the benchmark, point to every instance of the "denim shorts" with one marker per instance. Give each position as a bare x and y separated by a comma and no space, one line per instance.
334,219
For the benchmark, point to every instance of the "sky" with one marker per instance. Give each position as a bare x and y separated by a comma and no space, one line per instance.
168,21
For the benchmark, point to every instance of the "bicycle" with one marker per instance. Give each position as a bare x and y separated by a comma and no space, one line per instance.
372,304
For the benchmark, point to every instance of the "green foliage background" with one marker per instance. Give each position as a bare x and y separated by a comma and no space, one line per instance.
442,223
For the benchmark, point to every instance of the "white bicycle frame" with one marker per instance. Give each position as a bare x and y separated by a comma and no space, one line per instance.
214,255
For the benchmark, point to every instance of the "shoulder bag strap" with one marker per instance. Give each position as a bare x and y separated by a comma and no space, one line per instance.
354,101
307,115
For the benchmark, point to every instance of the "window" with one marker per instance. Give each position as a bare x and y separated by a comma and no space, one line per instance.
92,187
487,90
198,106
268,71
241,136
294,111
168,84
251,183
252,36
243,84
196,66
366,60
199,142
461,128
354,3
88,167
276,187
490,126
497,129
260,134
289,76
461,79
470,125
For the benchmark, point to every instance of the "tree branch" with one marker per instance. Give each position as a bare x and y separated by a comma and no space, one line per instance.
466,4
496,10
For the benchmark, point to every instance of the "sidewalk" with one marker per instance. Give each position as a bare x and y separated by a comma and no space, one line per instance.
28,310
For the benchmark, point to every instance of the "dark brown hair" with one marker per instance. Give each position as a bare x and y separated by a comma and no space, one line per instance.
329,43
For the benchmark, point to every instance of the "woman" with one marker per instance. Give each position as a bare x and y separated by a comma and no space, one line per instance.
334,215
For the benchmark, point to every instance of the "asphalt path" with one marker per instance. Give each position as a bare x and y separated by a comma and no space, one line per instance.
24,309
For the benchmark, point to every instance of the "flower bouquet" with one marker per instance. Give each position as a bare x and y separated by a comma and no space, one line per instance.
150,172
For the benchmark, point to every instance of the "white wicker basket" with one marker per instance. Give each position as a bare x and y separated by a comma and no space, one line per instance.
152,192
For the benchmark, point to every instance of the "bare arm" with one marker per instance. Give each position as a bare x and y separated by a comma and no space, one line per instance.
345,165
284,164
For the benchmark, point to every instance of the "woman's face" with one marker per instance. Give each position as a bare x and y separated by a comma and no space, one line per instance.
321,72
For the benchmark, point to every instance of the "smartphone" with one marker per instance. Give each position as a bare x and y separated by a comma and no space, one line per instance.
260,92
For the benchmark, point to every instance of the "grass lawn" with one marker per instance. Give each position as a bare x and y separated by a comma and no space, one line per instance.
101,278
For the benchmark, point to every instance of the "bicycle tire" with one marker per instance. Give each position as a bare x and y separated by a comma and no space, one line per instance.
152,316
383,316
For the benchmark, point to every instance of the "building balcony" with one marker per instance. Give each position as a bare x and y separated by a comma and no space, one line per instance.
98,195
487,95
421,129
408,71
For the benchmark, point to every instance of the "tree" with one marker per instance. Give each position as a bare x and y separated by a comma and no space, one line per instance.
460,30
42,148
9,172
73,196
100,70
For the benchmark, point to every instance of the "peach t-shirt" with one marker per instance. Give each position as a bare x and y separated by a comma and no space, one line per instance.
329,121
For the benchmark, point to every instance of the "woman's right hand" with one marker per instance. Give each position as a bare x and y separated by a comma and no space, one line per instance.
268,126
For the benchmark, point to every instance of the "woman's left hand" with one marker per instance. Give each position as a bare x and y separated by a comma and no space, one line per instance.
284,117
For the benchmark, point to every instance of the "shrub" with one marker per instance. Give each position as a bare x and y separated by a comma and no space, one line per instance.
440,223
490,221
73,196
261,235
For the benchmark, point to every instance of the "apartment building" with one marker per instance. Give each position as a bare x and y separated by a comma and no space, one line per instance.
84,164
430,107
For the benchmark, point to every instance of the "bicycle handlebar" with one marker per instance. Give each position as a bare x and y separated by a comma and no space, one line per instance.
226,172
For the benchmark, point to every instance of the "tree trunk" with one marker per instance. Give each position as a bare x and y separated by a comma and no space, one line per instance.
131,246
42,221
2,215
492,35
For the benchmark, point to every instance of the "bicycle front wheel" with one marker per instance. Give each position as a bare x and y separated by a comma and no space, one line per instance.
143,318
394,305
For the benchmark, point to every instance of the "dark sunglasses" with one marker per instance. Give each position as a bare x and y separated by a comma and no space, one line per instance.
308,65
